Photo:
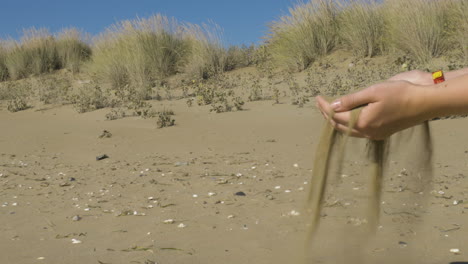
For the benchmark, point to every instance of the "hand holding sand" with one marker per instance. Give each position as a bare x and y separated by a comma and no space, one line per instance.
392,106
388,107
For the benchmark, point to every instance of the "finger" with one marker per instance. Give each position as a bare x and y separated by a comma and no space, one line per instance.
324,105
342,118
350,101
346,130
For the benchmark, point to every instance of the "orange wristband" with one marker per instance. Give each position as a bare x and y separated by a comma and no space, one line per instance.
438,76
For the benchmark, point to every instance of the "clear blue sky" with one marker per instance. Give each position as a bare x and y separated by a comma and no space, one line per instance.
243,21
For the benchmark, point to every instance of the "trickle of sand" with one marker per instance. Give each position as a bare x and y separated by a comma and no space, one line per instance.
329,159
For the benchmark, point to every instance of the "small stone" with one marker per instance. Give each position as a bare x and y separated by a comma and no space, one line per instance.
240,194
402,244
40,258
455,251
294,213
181,225
296,165
230,216
211,194
277,187
76,218
195,195
169,221
101,157
72,179
269,197
76,241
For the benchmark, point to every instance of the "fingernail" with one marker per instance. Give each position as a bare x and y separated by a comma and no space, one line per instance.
336,105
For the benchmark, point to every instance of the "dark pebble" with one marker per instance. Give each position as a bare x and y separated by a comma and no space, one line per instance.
101,157
240,194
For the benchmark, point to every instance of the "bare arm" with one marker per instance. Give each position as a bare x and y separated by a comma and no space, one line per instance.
425,78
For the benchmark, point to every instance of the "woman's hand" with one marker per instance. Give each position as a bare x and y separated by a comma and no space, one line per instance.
388,107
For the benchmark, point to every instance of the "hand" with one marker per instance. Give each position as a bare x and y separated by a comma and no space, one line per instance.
415,76
388,107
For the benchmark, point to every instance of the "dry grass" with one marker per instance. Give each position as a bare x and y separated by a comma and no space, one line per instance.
362,27
35,54
3,68
139,52
40,52
459,13
307,33
207,56
420,28
72,49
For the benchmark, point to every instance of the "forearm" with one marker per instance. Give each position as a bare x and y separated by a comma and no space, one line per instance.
454,74
447,98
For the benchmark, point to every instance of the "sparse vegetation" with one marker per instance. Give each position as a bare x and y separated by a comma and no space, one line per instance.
90,97
165,119
160,58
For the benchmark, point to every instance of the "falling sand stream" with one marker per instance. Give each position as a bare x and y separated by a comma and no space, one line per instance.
328,165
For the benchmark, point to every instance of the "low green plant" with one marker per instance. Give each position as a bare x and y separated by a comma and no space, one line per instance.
165,119
89,98
51,89
256,91
18,96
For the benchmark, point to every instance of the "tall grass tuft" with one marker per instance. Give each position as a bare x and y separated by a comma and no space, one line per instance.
35,54
207,55
362,27
307,33
459,27
3,68
72,49
137,53
419,27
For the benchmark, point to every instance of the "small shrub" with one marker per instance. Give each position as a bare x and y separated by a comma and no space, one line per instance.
238,57
89,98
51,89
115,114
165,119
256,91
18,96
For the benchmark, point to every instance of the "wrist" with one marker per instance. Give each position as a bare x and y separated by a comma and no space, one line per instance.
425,102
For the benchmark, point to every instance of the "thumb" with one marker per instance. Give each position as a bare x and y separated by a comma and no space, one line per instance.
351,101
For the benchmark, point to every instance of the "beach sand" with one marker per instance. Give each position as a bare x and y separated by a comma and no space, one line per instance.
214,188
